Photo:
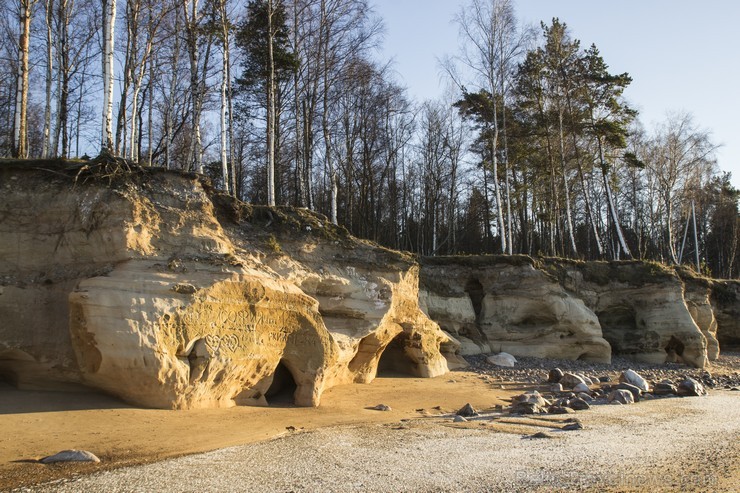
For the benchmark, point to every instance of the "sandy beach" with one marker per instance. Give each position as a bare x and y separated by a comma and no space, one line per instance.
673,444
37,424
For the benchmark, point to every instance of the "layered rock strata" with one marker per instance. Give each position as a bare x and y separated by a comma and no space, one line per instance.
725,300
508,304
150,286
579,310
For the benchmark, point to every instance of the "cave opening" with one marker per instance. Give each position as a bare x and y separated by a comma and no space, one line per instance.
283,387
394,361
674,348
620,329
11,365
475,290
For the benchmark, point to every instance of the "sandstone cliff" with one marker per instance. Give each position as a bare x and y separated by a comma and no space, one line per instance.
149,285
508,304
579,310
640,306
725,300
153,287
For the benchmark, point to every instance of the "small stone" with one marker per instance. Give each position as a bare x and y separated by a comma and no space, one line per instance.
560,410
71,456
533,397
665,387
184,288
620,396
581,387
633,378
690,387
605,379
525,408
459,419
467,411
579,404
541,434
570,380
381,407
636,392
586,397
502,359
555,375
572,427
556,387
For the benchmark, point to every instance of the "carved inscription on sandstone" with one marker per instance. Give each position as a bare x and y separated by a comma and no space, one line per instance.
243,330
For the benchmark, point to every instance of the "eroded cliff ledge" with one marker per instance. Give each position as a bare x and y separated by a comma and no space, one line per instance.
580,310
151,286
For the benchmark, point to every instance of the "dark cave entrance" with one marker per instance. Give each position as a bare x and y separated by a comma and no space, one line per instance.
475,290
674,350
394,361
620,329
283,386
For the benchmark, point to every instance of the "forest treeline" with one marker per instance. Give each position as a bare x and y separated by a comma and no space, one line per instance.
534,148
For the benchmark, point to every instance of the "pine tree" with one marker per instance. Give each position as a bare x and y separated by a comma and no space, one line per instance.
268,60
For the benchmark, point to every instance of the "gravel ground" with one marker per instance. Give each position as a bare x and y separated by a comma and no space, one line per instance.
688,444
722,374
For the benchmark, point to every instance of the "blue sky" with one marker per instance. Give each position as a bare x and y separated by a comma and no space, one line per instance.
682,55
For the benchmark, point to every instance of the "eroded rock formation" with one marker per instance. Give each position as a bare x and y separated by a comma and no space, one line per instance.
508,304
641,309
150,286
725,300
568,309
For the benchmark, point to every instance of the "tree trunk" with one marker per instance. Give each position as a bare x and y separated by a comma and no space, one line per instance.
20,140
610,202
191,27
224,130
64,76
168,121
270,109
45,152
496,188
568,213
109,21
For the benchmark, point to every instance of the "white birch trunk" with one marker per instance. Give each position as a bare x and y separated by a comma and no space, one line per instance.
225,79
109,20
45,151
191,25
21,99
270,111
173,89
224,129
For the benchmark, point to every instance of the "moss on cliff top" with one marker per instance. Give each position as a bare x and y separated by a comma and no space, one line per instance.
632,272
725,292
479,260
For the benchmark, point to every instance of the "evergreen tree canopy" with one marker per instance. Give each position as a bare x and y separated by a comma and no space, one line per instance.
252,37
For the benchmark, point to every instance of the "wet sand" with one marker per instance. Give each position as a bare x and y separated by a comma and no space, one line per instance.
688,444
675,444
36,424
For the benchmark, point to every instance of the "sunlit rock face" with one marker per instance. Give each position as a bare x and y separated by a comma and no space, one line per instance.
725,299
507,304
150,286
699,303
640,307
576,310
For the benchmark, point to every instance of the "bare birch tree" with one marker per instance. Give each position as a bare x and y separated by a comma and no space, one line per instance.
25,11
109,22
